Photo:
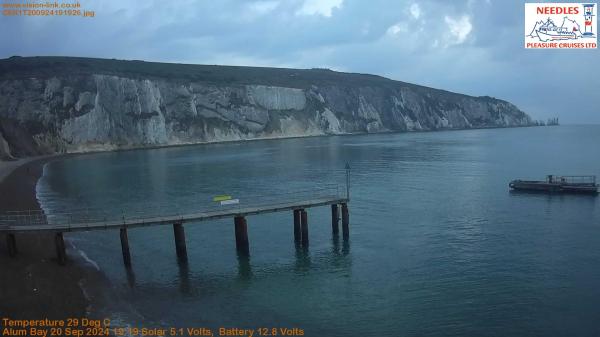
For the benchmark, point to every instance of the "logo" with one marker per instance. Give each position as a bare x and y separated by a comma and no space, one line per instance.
561,26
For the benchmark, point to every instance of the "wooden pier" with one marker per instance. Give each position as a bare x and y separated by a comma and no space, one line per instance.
14,223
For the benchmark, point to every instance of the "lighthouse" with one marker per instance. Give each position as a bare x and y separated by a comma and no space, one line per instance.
588,15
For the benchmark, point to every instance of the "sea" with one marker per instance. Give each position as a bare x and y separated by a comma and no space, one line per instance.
438,244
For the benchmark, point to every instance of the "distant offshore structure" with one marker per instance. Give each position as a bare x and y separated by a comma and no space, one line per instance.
550,122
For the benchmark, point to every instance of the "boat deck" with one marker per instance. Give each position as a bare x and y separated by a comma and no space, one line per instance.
558,184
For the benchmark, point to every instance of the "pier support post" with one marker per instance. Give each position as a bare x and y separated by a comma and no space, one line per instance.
335,219
61,253
297,228
11,244
241,235
304,225
180,242
125,247
345,220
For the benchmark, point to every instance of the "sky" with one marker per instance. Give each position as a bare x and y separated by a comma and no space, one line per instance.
473,47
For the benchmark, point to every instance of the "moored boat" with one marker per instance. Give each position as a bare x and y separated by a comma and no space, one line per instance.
558,184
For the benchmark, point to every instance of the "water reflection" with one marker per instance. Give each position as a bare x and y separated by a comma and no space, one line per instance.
335,240
303,261
130,277
184,277
346,247
244,267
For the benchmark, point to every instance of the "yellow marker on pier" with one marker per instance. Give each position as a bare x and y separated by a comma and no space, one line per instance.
221,198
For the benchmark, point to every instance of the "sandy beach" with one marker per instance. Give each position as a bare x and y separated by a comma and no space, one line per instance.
34,286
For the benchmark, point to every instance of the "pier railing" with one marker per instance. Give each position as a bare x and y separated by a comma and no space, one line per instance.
195,208
141,211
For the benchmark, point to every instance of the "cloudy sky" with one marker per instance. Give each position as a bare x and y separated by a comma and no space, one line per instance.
468,46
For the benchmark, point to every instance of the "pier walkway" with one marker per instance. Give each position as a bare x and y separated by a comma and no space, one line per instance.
13,224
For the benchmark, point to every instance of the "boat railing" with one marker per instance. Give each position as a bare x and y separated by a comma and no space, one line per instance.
591,180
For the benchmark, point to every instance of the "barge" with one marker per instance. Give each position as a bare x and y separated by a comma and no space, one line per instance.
558,184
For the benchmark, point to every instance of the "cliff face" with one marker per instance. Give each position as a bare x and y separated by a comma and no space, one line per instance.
71,104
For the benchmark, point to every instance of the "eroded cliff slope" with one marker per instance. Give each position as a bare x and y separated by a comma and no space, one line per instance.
58,104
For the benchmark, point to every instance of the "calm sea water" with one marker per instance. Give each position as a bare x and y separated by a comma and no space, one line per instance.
438,246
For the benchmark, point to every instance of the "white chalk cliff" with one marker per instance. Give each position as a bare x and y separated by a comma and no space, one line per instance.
52,104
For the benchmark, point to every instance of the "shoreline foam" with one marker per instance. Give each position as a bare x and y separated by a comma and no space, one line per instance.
94,285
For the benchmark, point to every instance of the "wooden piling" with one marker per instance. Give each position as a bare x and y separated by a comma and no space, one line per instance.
125,247
335,219
345,220
241,235
61,253
180,246
297,227
11,244
304,225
